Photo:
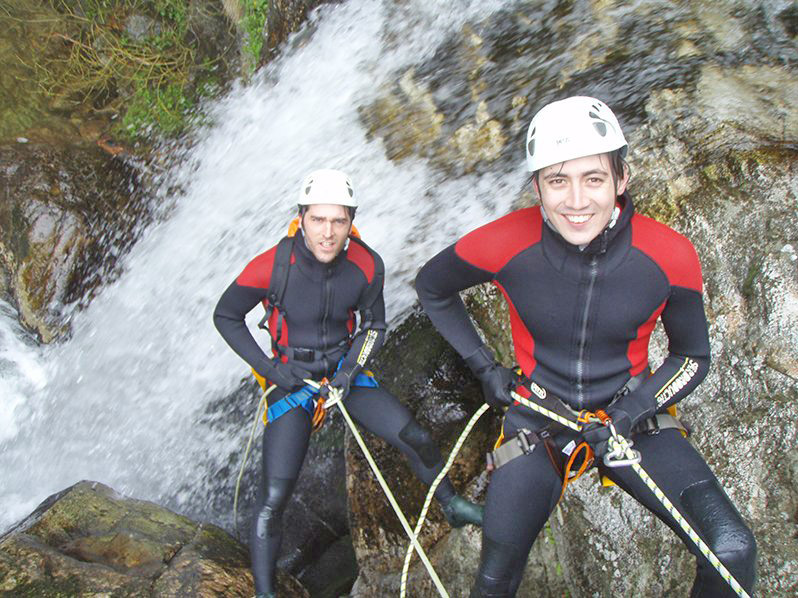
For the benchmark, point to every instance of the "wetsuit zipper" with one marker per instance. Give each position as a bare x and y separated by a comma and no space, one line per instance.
580,362
327,300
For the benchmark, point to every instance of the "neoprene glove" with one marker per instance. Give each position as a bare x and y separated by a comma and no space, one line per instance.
625,413
496,380
286,376
343,381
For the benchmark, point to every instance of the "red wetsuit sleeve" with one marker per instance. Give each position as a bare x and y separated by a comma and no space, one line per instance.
683,317
248,290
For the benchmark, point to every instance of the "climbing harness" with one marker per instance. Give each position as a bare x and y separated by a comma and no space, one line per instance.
622,455
266,393
431,492
278,282
384,485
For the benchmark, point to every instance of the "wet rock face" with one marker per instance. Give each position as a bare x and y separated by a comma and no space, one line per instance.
284,18
467,108
65,215
90,541
704,92
418,366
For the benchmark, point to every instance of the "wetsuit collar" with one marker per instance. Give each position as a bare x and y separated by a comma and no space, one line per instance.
620,219
308,263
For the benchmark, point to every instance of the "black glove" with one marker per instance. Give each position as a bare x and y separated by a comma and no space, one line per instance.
625,413
286,376
343,380
497,381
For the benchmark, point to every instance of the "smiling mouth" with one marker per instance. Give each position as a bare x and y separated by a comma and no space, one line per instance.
577,219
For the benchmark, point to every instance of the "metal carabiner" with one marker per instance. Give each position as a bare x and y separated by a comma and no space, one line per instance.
618,456
610,460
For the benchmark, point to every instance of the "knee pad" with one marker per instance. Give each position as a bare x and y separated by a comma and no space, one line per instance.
420,441
720,525
498,566
268,521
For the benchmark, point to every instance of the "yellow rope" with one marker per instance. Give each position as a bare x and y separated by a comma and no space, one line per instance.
623,446
383,484
419,524
266,393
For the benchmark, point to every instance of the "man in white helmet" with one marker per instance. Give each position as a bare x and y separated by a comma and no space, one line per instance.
312,283
586,279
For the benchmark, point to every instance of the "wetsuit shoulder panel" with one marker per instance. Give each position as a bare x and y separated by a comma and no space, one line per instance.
491,246
363,257
258,272
672,252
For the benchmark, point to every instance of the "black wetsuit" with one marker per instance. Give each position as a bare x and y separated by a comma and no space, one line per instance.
581,322
315,330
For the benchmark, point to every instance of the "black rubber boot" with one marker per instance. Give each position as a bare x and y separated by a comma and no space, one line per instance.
458,512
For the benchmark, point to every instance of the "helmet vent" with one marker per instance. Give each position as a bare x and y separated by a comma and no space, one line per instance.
530,147
599,124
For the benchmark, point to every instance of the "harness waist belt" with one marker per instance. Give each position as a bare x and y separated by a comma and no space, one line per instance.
525,441
309,355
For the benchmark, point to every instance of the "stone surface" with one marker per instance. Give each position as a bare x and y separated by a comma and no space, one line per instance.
704,92
90,541
65,215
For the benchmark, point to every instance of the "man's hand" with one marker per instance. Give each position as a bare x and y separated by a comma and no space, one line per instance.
336,389
284,375
496,380
625,414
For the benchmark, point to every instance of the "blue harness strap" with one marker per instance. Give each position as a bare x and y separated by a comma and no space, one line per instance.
306,397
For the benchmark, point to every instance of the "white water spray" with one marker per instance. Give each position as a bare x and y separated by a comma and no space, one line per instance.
125,400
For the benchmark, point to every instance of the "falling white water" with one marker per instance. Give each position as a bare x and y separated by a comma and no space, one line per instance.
124,401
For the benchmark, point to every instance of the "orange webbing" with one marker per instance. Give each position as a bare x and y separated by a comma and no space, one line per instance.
319,414
586,462
602,415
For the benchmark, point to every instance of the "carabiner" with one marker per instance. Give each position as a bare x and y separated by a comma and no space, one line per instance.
618,456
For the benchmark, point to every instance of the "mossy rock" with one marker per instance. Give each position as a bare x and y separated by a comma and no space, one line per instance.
88,540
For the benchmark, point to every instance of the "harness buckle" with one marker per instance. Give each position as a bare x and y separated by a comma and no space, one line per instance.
523,441
300,354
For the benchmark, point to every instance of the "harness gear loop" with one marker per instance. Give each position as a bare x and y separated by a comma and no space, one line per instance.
587,461
384,485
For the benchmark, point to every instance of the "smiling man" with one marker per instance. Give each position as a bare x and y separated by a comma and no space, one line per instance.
312,284
586,280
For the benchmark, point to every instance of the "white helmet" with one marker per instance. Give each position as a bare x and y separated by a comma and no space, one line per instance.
327,186
572,128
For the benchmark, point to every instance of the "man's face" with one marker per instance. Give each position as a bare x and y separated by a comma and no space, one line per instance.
326,227
579,196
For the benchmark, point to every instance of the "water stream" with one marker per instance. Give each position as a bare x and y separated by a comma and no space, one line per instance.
124,400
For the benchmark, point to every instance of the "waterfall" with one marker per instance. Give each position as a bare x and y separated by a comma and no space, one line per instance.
125,400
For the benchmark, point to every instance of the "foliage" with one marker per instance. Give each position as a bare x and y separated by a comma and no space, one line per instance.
132,57
254,22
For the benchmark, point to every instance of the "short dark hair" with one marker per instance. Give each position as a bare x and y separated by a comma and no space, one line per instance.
617,167
304,208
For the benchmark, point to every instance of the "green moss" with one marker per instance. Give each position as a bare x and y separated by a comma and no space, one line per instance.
749,284
48,588
88,58
254,22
